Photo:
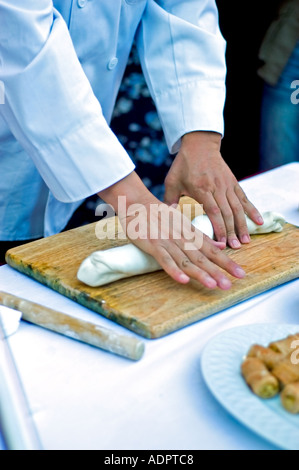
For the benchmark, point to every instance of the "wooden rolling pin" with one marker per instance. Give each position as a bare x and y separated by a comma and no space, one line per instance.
75,328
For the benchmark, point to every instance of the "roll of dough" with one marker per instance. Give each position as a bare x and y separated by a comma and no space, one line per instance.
273,222
103,267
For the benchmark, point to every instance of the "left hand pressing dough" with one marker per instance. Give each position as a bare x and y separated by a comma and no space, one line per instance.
103,267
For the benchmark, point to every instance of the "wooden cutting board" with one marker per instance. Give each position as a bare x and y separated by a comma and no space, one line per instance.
154,305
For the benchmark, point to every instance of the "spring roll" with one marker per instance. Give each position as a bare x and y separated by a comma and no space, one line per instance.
286,372
284,346
290,398
259,379
269,357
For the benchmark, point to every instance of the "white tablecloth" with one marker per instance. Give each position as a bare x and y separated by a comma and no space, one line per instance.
84,398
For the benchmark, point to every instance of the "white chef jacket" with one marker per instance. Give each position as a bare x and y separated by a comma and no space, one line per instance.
61,65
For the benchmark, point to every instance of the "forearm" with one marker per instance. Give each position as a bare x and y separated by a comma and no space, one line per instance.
130,189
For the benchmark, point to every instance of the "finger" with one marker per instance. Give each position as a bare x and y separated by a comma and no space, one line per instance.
171,267
172,194
228,217
199,260
220,245
249,208
239,217
187,270
222,260
200,268
195,271
213,211
198,240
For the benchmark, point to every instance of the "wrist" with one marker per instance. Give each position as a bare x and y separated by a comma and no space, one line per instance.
130,190
202,138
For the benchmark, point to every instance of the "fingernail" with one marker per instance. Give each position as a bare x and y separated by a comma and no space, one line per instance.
245,239
223,240
184,278
225,284
240,272
260,220
235,244
221,245
210,282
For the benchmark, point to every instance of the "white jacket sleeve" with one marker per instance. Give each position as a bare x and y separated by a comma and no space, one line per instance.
182,52
49,104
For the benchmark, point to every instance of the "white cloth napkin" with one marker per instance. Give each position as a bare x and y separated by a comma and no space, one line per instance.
9,320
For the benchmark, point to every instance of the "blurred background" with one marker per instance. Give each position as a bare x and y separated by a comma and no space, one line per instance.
243,28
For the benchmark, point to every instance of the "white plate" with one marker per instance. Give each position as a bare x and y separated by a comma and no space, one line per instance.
221,362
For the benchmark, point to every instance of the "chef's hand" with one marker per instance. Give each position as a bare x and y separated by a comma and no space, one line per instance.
166,234
200,172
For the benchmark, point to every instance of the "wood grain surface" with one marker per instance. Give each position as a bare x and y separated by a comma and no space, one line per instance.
153,305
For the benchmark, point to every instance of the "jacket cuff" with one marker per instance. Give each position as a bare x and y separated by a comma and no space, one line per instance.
195,106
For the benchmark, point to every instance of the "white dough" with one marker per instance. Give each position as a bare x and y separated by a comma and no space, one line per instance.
273,222
203,223
103,267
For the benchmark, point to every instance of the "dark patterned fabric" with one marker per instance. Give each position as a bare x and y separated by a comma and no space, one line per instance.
137,125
